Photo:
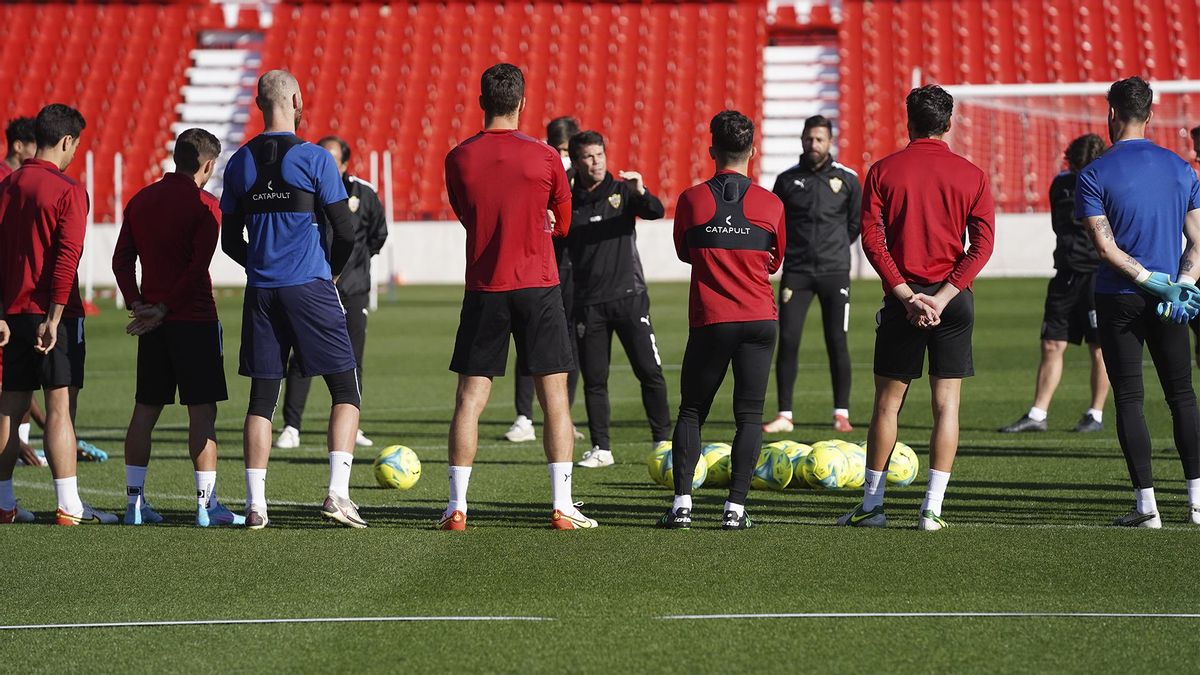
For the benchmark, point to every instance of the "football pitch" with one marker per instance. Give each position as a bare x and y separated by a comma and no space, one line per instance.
1029,576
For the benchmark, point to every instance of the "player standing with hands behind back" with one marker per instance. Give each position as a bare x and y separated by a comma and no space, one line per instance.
1140,201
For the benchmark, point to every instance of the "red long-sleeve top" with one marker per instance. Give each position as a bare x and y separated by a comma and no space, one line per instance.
173,226
731,264
500,184
43,219
917,205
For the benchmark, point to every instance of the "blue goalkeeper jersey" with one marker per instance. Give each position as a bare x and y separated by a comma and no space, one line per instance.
1145,191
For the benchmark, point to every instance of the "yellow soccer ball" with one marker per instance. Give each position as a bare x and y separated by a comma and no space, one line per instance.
903,467
773,471
716,457
662,469
856,465
797,453
825,467
397,467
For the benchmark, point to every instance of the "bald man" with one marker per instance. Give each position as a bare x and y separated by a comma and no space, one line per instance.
274,186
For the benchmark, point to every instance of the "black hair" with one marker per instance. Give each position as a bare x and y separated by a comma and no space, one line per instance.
929,111
560,130
1131,99
732,135
818,121
501,89
581,140
193,148
55,121
19,129
1084,150
343,144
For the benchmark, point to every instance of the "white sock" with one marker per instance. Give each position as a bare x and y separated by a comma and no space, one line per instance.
135,484
256,490
1193,489
935,491
8,500
873,487
67,492
1145,501
682,502
206,488
23,432
786,413
460,478
739,509
1036,414
841,412
560,486
1097,414
339,473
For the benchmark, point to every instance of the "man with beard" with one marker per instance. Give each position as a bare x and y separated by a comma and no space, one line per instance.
823,202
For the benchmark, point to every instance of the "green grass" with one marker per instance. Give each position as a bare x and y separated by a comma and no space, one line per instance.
1027,535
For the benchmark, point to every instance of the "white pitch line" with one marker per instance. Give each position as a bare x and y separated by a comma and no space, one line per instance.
925,615
240,622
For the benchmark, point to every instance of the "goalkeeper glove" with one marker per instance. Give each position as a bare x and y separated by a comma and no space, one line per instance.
1169,312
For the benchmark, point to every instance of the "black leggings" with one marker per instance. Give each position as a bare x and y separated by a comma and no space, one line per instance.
710,349
796,292
1126,322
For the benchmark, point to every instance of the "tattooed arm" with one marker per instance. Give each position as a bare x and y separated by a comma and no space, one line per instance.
1102,238
1189,264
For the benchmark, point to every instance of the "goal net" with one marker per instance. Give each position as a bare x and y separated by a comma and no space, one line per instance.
1018,133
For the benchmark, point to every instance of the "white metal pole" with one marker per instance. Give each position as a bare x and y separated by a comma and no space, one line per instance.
387,187
373,168
89,293
118,210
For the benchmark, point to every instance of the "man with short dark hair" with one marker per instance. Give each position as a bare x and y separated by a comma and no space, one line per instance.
22,144
1140,202
919,204
42,222
511,194
823,202
558,134
610,291
275,185
353,286
172,227
733,233
1070,310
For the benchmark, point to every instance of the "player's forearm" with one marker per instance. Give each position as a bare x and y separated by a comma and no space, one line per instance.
342,224
874,246
1108,251
233,240
54,315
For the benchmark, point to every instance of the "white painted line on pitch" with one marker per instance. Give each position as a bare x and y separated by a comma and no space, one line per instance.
242,622
932,615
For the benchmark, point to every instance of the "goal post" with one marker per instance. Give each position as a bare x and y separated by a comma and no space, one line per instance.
1017,133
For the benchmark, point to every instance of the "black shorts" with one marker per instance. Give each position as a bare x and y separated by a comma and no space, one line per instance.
900,346
1070,313
308,319
26,369
535,319
183,355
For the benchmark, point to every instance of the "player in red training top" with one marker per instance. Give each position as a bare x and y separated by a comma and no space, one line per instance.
511,193
173,227
918,204
42,221
733,233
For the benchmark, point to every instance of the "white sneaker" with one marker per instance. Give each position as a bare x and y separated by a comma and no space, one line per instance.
288,439
596,458
1194,514
1135,519
362,441
930,521
521,430
779,425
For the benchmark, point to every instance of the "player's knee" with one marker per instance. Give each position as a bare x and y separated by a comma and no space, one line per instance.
343,388
264,397
1054,347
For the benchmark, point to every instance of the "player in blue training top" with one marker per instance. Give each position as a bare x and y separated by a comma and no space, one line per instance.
273,187
1140,201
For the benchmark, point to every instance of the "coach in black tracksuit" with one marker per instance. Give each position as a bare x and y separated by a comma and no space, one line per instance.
822,200
610,290
354,283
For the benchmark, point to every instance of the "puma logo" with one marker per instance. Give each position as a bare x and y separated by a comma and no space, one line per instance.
645,320
844,291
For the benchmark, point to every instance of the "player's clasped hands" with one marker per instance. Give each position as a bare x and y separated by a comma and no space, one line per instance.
923,311
1181,300
145,317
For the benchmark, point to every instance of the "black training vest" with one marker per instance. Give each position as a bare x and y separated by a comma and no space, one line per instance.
729,228
270,192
